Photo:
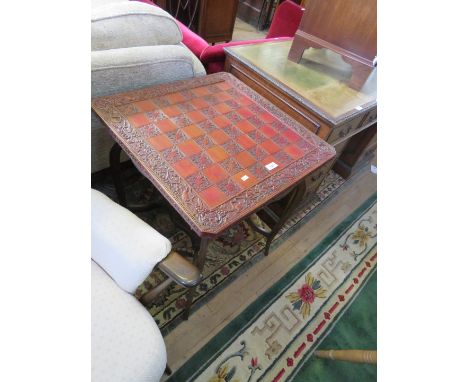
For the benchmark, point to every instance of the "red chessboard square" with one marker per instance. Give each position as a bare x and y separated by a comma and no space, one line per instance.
215,173
175,98
217,153
245,179
184,168
193,131
199,103
290,135
245,159
294,151
245,142
245,126
160,142
171,111
267,117
221,121
268,131
270,146
244,112
224,85
166,125
223,96
222,108
213,196
138,120
145,106
219,137
189,148
196,116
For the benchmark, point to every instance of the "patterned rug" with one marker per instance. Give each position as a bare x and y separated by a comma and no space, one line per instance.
228,256
274,338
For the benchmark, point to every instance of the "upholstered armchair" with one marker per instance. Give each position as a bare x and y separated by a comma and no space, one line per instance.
126,344
133,45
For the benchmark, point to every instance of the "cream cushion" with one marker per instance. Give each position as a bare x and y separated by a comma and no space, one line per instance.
126,344
125,246
130,23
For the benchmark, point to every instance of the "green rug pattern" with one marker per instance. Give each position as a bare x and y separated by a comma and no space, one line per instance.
274,338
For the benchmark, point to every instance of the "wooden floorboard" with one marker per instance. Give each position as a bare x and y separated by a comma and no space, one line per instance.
187,338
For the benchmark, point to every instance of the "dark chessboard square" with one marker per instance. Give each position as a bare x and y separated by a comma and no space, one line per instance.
186,107
209,112
217,153
199,103
229,187
257,136
196,116
156,115
232,147
271,159
181,121
258,153
280,140
138,120
221,121
213,196
294,151
161,102
259,170
245,142
291,136
128,109
222,108
305,146
245,179
231,166
257,122
175,98
172,155
270,146
215,173
186,94
171,111
282,158
149,130
245,159
198,181
232,131
204,142
166,125
232,104
176,136
201,160
245,126
189,148
279,126
211,99
233,117
160,142
256,109
201,91
185,168
268,131
145,105
207,126
213,88
219,137
192,131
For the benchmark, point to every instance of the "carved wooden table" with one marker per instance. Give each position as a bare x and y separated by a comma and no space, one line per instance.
314,92
215,149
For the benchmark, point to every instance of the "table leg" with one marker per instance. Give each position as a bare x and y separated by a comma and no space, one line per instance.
114,162
294,200
199,261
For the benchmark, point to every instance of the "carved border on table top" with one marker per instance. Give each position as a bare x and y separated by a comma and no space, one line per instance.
346,117
198,215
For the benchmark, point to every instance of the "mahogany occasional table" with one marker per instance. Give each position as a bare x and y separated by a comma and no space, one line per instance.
215,149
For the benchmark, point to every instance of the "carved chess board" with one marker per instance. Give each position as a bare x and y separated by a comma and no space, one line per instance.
212,146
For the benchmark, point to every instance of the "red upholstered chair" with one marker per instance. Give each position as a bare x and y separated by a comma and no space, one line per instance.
283,26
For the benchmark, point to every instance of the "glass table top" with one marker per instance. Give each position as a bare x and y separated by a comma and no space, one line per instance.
319,80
